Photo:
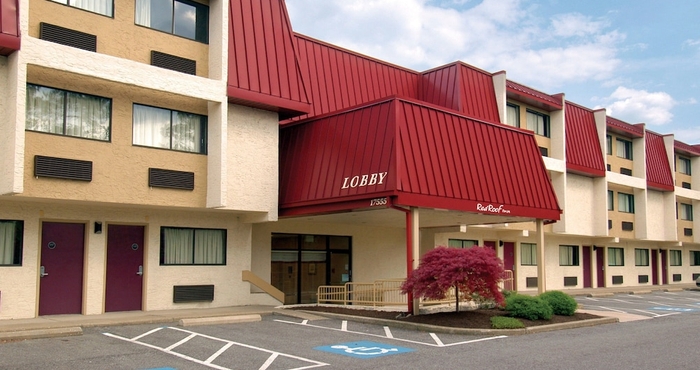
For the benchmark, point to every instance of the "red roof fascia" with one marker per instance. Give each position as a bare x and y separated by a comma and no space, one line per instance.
263,67
583,152
659,174
9,27
691,150
534,97
634,131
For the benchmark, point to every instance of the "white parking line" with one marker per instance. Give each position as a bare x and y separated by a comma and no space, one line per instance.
437,340
660,304
344,326
387,332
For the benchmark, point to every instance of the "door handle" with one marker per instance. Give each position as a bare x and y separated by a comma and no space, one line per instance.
140,271
42,272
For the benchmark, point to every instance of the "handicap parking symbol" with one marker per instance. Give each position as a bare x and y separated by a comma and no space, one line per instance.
364,349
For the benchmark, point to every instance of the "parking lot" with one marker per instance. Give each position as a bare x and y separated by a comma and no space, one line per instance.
653,305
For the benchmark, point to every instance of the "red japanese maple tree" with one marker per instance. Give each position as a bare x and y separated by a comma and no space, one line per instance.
472,270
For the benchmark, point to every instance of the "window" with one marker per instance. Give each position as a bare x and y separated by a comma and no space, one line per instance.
695,258
686,212
169,129
460,243
11,234
684,165
178,17
616,257
641,257
611,200
624,149
187,246
608,144
68,113
104,7
528,254
625,202
538,122
513,115
676,258
568,255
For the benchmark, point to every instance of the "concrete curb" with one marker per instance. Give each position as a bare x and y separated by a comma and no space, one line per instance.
41,333
220,320
466,331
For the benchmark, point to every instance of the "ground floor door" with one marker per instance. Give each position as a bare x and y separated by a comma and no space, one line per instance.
509,260
124,283
600,266
587,267
664,266
61,271
654,267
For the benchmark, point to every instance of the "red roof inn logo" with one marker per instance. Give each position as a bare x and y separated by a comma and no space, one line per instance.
491,208
364,180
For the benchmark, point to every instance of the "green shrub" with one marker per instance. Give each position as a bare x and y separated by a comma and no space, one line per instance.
508,293
527,307
561,303
503,322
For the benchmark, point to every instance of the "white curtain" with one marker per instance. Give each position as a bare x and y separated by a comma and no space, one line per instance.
209,247
151,126
97,6
87,116
44,109
143,13
178,246
7,243
566,256
187,133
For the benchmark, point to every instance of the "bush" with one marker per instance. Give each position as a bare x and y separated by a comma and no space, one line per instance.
561,303
508,293
503,322
527,307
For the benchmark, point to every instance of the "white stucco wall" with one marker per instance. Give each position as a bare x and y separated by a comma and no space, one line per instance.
581,204
12,102
656,225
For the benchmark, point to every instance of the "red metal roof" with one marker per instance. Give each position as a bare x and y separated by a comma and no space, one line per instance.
533,97
339,78
463,88
9,26
659,175
263,70
691,150
583,152
624,128
415,155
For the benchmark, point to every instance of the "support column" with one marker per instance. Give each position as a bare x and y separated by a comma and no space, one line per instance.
415,247
541,273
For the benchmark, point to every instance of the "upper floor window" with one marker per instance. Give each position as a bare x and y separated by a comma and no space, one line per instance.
538,122
11,233
460,243
684,165
189,246
104,7
513,115
686,212
608,144
611,201
568,255
624,149
179,17
169,129
625,202
68,113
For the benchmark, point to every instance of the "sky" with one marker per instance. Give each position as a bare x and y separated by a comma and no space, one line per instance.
639,59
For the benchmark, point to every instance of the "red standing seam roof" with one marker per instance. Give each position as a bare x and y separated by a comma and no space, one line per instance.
415,155
9,27
534,97
659,176
691,150
634,131
583,152
263,69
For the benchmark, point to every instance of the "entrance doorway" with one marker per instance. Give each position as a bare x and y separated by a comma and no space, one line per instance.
587,267
600,266
302,263
654,267
124,284
61,271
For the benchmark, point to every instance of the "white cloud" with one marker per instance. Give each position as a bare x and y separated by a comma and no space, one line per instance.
641,106
691,43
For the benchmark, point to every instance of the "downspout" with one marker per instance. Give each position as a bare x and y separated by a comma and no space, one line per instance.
409,251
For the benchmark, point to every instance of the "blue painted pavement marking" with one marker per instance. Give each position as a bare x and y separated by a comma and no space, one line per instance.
364,349
674,309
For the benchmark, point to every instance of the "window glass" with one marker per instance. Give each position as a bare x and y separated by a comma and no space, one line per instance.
164,128
462,243
686,212
185,19
187,246
528,254
179,17
625,202
684,165
68,113
675,258
538,122
568,255
611,200
608,144
11,234
616,257
104,7
641,257
695,258
513,115
624,149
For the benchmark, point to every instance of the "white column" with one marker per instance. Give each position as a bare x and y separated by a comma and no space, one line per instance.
415,240
541,274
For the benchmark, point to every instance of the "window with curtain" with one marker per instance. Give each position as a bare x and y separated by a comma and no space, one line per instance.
169,129
675,258
684,165
695,258
608,145
625,202
686,212
178,17
11,234
104,7
624,149
641,257
189,246
568,255
68,113
538,122
611,200
461,243
616,257
513,115
528,254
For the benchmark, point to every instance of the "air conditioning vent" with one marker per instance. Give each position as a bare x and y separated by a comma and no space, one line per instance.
627,226
626,171
160,178
617,279
531,282
685,185
570,281
643,279
687,231
68,37
677,277
193,293
173,62
62,168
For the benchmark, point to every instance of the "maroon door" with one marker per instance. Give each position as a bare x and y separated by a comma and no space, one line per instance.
509,256
600,266
654,267
124,268
664,266
61,271
587,267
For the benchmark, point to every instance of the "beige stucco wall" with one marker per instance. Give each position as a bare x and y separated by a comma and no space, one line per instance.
582,202
119,36
11,124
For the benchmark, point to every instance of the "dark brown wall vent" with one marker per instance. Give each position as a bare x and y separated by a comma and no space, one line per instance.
173,62
160,178
193,293
687,231
677,277
627,226
643,279
68,37
570,281
626,171
617,279
685,185
531,282
62,168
